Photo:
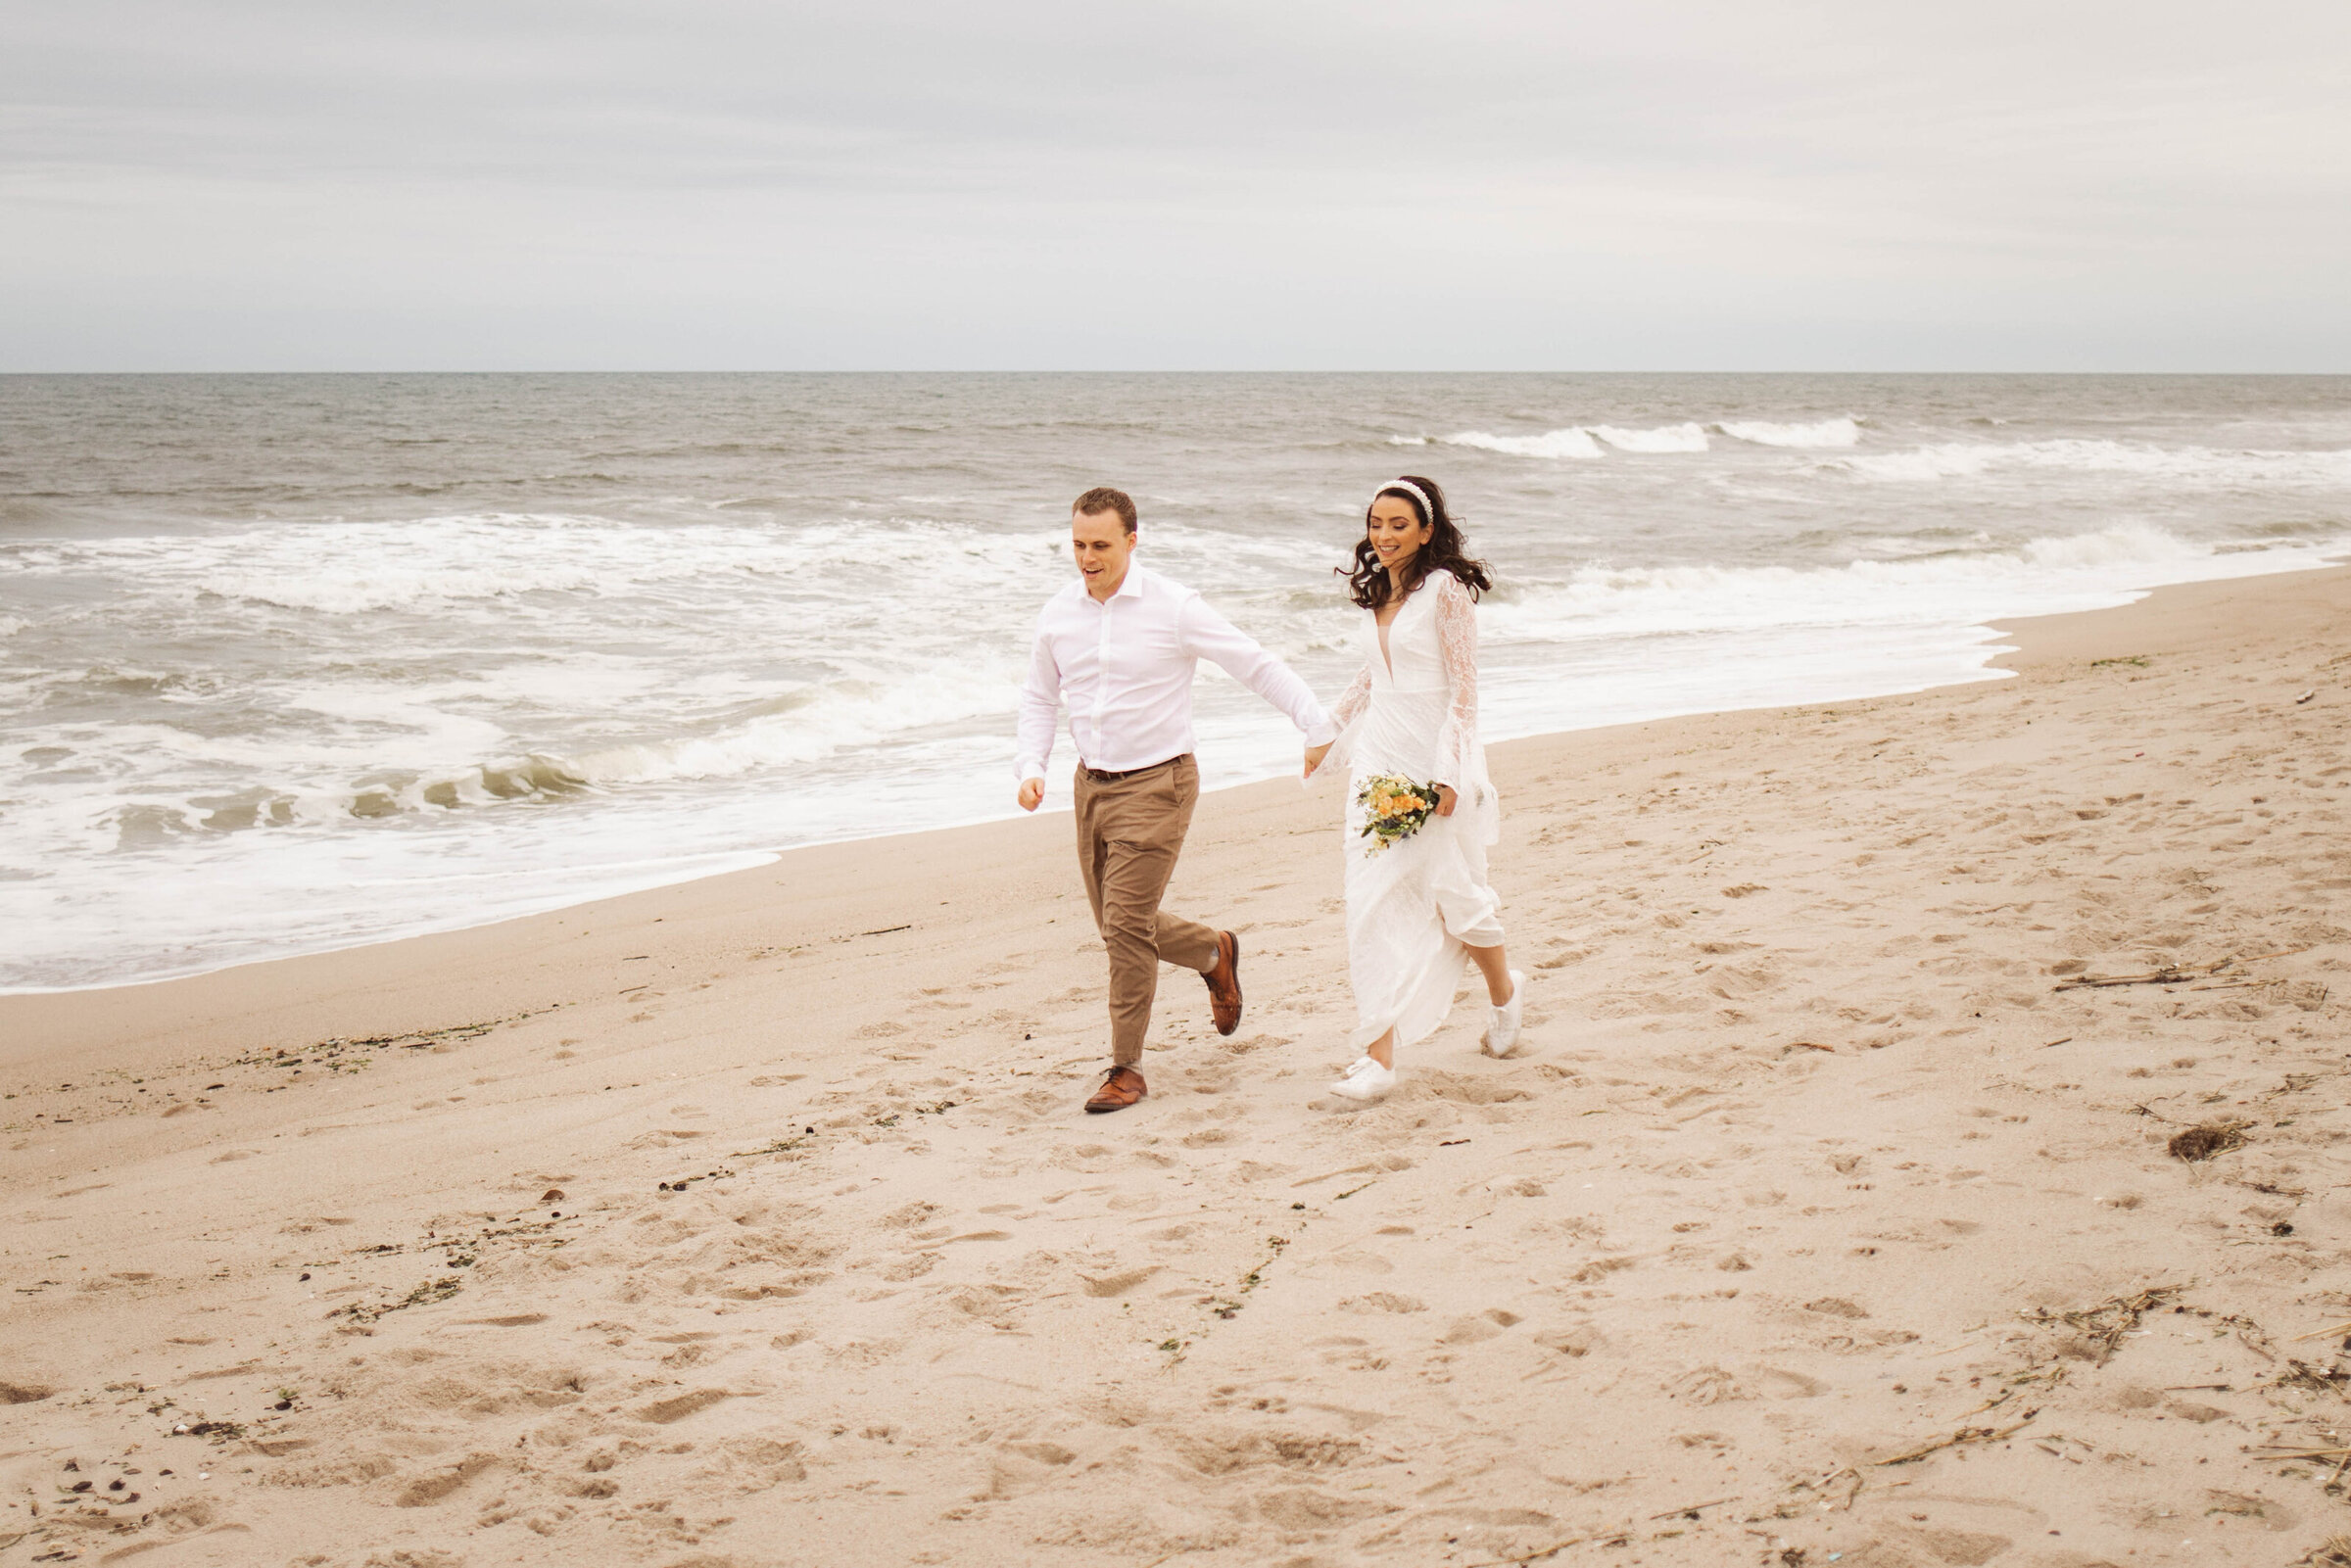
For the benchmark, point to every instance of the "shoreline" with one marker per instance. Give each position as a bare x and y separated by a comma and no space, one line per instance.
1992,658
916,847
753,1221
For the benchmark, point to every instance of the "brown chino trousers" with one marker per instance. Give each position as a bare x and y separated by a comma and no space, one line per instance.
1129,831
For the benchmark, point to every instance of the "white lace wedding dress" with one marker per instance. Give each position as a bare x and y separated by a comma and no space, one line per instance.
1414,906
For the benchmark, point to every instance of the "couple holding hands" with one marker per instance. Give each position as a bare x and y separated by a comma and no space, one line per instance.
1118,649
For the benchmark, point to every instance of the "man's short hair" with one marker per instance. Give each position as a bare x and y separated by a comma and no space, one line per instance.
1102,498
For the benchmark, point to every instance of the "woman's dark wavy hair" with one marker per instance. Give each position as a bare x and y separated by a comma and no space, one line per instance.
1368,580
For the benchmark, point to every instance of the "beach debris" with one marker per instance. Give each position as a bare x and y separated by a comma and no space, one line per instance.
2302,1375
552,1195
1691,1510
2207,1139
1551,1551
1966,1433
2332,1553
2305,696
426,1293
2167,975
2104,1325
2322,1333
679,1184
340,1054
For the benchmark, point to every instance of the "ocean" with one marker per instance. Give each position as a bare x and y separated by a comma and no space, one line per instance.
290,663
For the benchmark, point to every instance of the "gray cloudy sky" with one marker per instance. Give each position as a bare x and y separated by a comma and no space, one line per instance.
191,184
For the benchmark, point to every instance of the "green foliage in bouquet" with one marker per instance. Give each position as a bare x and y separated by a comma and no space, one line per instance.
1394,809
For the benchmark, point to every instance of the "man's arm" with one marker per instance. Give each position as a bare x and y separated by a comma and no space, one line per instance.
1209,635
1041,709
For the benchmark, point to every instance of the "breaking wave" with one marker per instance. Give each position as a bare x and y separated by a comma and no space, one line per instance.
1843,432
1573,442
1665,438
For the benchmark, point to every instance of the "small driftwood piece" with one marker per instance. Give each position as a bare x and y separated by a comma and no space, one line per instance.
1966,1433
2322,1333
2173,973
2169,975
1692,1508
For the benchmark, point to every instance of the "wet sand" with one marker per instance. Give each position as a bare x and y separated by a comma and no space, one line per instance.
1830,1214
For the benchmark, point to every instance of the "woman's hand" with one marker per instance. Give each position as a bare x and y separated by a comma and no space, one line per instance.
1314,758
1446,800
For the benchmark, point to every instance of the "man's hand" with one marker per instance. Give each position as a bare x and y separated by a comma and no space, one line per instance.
1314,758
1446,800
1033,793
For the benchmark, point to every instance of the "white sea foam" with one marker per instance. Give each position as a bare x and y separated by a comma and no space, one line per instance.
2185,465
827,723
2043,576
1572,442
1824,433
1663,438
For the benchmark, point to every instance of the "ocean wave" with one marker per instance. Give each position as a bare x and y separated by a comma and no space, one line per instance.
811,726
2042,576
833,722
1573,442
345,569
2191,465
1663,438
1840,432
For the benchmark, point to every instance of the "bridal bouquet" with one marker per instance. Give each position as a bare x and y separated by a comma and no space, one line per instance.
1394,809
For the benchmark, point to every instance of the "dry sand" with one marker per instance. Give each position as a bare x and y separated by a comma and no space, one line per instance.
754,1221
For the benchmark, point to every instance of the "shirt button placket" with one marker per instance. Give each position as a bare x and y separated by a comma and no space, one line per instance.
1101,674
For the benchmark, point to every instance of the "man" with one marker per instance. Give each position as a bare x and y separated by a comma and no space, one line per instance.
1119,647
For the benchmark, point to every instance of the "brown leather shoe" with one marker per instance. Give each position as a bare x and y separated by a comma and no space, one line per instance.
1122,1087
1224,984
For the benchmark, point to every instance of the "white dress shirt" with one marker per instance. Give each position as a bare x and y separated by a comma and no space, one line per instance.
1124,669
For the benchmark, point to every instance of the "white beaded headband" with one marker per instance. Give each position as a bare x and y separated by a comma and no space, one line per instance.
1429,508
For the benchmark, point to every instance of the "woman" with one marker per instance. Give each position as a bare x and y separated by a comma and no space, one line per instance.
1418,904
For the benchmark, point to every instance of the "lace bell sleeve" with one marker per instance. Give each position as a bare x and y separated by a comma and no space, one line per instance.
1354,699
1457,656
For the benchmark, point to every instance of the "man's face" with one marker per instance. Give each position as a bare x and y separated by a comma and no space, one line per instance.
1102,546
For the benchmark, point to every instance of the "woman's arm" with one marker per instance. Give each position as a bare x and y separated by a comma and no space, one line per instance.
1457,656
1353,700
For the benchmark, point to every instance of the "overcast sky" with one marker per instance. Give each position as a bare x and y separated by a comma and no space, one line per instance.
1880,184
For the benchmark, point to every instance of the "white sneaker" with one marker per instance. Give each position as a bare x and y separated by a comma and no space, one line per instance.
1501,1038
1366,1080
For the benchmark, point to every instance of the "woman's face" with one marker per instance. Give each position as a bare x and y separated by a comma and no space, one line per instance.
1396,531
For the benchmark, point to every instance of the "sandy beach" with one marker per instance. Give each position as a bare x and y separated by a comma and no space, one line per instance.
1830,1216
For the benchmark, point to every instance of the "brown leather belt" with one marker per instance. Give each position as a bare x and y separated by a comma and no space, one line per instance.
1105,776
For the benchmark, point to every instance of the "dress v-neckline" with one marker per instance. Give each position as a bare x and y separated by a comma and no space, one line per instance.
1380,630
